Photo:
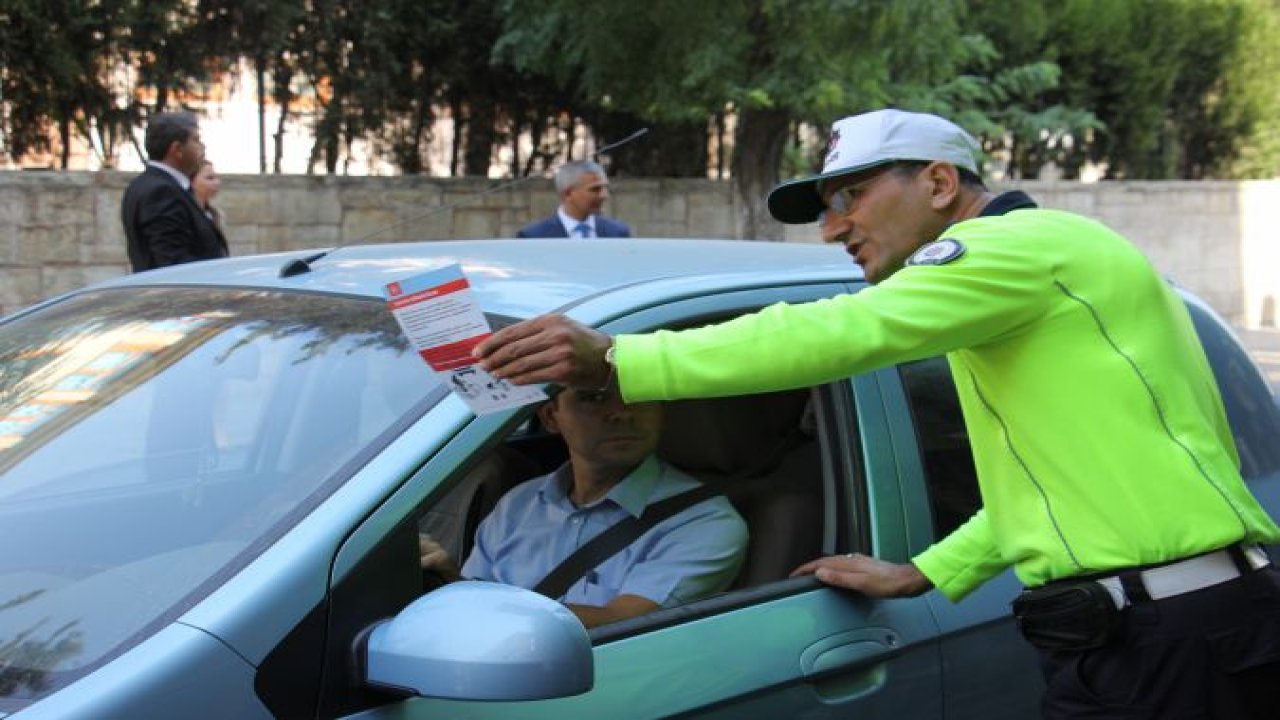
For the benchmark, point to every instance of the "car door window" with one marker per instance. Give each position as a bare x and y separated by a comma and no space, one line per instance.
762,450
798,453
813,649
949,471
980,625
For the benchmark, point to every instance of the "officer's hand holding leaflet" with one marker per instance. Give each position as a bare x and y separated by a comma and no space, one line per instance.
549,348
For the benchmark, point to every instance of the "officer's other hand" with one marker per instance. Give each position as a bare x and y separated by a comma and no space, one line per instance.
547,349
867,575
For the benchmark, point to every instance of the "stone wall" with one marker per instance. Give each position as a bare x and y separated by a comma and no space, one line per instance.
60,231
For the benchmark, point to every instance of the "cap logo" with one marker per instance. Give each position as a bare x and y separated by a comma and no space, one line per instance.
832,153
939,252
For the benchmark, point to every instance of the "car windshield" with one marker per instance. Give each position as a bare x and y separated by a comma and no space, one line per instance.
152,441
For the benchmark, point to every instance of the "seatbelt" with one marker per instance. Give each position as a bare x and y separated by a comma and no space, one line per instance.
618,536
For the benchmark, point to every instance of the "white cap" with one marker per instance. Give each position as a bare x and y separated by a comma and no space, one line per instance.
875,138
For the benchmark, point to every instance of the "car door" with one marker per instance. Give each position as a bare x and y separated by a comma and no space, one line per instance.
988,670
784,647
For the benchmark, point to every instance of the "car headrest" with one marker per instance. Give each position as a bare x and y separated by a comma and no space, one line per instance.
731,435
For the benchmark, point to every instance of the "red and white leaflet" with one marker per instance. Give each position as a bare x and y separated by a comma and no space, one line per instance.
438,313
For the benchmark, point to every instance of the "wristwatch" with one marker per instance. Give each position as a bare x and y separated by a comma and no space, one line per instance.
608,360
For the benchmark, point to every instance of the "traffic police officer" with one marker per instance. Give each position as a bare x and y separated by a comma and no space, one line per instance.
1108,472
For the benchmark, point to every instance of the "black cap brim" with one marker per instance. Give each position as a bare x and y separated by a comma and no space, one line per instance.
798,202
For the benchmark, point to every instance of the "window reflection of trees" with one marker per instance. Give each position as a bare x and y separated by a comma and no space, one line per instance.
32,347
31,342
25,662
306,326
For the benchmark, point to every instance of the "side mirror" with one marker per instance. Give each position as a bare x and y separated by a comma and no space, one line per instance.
480,641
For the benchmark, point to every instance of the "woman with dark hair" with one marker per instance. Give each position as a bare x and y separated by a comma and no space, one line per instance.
205,185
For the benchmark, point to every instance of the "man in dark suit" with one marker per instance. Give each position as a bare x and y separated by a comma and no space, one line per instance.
162,222
583,187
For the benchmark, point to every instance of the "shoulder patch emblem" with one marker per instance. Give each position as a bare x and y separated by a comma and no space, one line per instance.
938,252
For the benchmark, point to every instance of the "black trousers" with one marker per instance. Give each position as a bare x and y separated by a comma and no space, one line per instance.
1213,653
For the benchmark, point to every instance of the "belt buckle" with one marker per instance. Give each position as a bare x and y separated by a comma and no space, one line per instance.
1112,586
1255,556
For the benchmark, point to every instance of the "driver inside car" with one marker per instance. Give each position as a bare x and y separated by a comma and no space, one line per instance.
612,474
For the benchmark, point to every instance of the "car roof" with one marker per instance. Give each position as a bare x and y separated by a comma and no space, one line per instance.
522,278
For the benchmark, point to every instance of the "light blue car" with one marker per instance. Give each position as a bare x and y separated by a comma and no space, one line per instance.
212,480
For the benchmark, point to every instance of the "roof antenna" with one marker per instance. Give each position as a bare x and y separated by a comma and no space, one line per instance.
298,266
614,145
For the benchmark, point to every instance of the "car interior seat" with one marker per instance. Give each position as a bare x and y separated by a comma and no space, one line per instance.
764,447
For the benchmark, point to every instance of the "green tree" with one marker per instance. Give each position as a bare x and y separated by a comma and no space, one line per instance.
1122,60
1142,88
87,68
1225,105
1177,88
1013,107
329,55
264,32
773,63
408,86
1254,71
55,75
157,43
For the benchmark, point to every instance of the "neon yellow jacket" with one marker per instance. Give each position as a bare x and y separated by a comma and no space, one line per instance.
1097,429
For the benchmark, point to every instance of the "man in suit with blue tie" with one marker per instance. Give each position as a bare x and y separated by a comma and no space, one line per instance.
162,222
583,187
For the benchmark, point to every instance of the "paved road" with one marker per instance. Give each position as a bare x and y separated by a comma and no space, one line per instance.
1264,346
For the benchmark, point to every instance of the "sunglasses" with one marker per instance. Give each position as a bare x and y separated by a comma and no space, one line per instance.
843,201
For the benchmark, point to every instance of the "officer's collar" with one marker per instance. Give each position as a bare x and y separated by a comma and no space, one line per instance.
1004,202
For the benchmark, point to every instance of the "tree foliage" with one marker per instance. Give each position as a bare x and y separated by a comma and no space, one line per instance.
1140,88
773,63
266,34
86,68
55,62
1178,88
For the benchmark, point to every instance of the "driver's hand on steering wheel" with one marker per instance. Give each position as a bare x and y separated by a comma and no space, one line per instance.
436,559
